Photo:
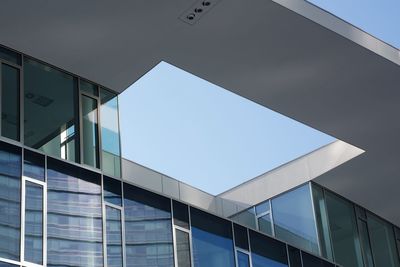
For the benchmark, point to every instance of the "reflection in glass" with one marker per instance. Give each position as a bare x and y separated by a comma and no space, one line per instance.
342,221
294,219
321,217
241,239
266,251
383,242
148,228
10,184
10,56
265,224
114,237
89,131
4,264
112,191
88,88
182,248
243,259
49,91
365,243
33,223
9,102
34,165
110,133
246,217
212,240
294,257
74,216
311,261
181,214
263,207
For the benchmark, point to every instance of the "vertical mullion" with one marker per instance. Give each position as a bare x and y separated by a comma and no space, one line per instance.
315,218
21,101
174,245
1,96
80,122
122,223
104,232
22,226
100,143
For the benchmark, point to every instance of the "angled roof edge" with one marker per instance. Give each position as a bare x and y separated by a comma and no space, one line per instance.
342,27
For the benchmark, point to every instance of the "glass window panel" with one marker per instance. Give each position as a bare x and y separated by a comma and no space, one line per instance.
294,219
365,243
49,91
112,190
88,88
114,237
342,221
243,259
241,239
5,264
265,224
182,248
110,133
10,206
211,239
74,216
266,251
322,222
33,223
246,217
90,131
148,228
34,165
294,257
9,102
383,242
181,214
312,261
263,207
10,56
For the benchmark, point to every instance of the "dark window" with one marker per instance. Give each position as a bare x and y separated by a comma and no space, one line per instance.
110,133
90,138
10,206
148,228
246,217
33,223
294,257
88,88
34,165
211,239
9,102
266,251
243,259
74,216
10,56
112,191
182,248
241,239
114,237
365,243
181,214
265,224
50,120
312,261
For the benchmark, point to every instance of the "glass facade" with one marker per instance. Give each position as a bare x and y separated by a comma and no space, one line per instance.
114,237
266,251
90,140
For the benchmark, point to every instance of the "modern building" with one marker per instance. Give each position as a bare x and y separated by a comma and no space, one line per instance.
67,198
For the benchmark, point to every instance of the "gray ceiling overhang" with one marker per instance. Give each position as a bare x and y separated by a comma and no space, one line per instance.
334,78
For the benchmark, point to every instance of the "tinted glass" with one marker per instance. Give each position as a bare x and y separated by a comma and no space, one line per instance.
10,56
90,131
242,259
365,243
383,242
114,237
181,214
241,239
263,207
110,133
342,221
9,102
74,216
322,222
88,88
49,91
33,223
265,224
10,184
34,165
246,217
311,261
3,264
182,248
112,191
266,251
294,257
148,228
294,219
212,240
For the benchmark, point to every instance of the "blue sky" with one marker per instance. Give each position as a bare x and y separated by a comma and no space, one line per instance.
201,134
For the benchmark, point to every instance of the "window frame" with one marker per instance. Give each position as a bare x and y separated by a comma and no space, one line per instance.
183,229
